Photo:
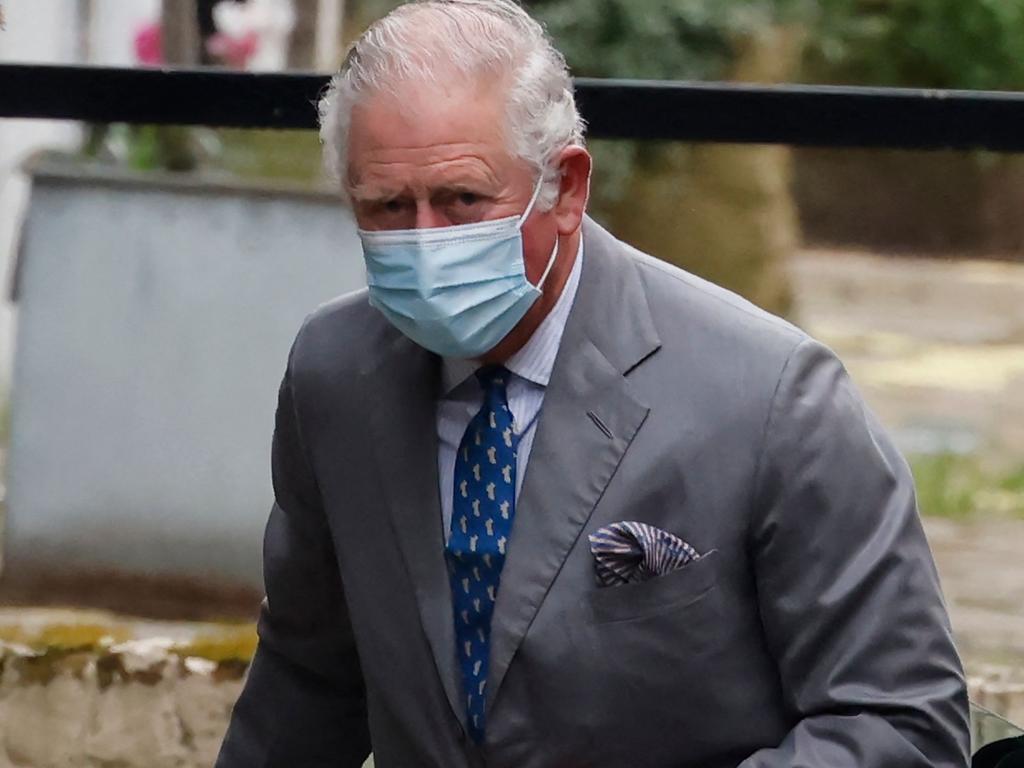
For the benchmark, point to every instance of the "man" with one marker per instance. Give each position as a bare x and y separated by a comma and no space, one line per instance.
542,500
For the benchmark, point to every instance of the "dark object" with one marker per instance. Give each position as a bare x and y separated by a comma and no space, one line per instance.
1007,753
799,115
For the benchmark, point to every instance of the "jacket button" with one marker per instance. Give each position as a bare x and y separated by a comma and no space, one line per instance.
460,733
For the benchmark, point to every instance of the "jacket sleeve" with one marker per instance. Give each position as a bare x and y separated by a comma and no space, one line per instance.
303,704
848,592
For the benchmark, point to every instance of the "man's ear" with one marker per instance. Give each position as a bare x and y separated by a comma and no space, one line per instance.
574,164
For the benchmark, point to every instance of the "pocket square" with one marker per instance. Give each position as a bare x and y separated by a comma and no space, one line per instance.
629,552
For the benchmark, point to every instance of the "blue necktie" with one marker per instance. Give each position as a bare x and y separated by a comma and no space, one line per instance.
482,513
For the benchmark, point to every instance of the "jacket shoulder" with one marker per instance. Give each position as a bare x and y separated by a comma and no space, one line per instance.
342,334
709,314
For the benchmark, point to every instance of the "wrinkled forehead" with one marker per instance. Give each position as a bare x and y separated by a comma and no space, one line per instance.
423,126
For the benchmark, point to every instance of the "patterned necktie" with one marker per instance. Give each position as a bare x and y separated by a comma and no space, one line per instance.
482,513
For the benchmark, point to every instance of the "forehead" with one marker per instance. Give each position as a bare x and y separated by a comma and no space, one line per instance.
421,132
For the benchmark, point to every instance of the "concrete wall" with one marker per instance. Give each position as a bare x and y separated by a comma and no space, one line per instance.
38,31
51,32
155,321
146,704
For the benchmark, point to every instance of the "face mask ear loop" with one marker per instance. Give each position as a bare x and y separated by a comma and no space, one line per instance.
526,215
551,263
533,201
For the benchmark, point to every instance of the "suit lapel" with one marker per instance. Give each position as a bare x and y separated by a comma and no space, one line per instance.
402,388
588,420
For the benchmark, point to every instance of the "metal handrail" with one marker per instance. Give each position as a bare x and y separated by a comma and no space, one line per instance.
798,115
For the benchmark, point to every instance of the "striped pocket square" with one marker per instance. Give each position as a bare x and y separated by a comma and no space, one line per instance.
628,552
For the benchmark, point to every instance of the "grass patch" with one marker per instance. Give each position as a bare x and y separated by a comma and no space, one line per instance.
230,644
965,488
266,154
1014,482
64,636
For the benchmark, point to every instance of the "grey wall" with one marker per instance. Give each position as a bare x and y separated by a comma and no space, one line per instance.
154,321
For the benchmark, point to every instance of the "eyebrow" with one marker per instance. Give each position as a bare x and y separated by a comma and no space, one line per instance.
366,193
360,191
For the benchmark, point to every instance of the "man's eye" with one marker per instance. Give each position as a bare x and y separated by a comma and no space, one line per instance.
468,198
392,206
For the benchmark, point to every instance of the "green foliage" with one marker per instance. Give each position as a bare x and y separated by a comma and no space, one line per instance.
661,39
651,39
637,38
1013,482
946,485
266,154
922,43
962,488
144,147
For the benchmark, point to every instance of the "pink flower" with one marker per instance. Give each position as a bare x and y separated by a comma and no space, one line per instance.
149,47
233,51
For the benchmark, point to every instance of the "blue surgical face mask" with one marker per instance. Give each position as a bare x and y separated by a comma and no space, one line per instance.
458,290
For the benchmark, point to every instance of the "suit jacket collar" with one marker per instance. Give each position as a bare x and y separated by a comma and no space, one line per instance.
588,420
611,305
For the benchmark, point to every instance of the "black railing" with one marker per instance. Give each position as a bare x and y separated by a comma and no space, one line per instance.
799,115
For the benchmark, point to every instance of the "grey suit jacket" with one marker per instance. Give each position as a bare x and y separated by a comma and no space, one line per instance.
811,634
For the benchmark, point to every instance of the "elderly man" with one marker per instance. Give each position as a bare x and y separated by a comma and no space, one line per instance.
543,500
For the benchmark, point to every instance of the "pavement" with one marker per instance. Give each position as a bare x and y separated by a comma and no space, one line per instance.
936,346
937,349
982,574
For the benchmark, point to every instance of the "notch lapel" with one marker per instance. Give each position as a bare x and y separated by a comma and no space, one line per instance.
588,420
402,390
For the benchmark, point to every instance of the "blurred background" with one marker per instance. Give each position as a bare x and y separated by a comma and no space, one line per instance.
157,275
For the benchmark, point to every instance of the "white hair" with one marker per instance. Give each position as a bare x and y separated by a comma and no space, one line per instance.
427,40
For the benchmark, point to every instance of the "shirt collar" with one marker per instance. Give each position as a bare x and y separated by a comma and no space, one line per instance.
536,359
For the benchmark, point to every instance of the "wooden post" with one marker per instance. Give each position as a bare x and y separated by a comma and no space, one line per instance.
329,34
722,211
179,37
302,39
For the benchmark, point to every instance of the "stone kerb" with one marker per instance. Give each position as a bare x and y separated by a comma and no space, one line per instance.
160,703
136,704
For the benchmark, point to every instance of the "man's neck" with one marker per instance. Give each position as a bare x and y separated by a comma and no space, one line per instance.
568,249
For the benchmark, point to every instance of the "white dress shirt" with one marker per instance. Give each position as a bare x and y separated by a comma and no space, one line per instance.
462,396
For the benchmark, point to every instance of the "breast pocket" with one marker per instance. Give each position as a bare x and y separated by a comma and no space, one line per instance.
672,591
